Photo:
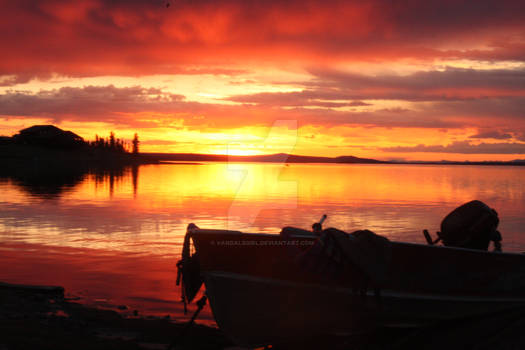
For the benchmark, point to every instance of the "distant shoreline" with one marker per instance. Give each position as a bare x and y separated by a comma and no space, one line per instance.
266,158
166,158
24,154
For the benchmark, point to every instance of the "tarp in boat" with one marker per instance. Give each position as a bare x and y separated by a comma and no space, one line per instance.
370,252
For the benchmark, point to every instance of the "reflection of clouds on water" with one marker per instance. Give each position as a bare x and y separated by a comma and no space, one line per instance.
114,226
119,211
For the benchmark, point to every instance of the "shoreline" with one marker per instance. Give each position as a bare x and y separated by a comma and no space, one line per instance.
121,281
41,317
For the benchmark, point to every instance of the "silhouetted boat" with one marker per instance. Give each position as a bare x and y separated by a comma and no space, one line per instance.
268,289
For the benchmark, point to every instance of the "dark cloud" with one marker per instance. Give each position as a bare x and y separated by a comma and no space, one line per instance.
10,80
358,104
492,134
122,105
388,118
140,107
330,88
449,84
315,98
440,99
93,103
130,106
502,111
463,147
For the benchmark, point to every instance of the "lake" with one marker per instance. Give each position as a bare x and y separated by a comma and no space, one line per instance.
113,239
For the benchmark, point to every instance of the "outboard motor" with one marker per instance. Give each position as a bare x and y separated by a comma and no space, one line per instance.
472,225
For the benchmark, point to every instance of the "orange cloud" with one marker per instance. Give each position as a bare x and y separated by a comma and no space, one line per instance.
96,37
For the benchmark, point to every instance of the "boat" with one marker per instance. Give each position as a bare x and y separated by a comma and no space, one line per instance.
296,284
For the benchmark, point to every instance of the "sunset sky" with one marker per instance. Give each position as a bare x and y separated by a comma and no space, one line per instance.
415,80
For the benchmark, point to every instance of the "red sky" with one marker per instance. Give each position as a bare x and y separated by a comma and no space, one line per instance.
425,80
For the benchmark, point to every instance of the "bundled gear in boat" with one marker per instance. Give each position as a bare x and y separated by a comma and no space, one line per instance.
335,249
473,225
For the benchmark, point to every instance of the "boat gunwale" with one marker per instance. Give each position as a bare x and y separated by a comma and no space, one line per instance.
200,231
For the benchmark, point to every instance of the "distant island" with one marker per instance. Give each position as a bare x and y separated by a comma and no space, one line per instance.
51,145
46,161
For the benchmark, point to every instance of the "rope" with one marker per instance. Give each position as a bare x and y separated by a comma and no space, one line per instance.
188,270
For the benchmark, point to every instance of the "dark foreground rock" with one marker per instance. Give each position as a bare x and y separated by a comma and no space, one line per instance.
40,318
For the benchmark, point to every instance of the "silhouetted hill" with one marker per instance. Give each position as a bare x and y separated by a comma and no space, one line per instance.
267,158
352,159
517,162
48,136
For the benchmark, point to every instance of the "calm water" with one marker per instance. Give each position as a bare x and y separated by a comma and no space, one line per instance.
114,239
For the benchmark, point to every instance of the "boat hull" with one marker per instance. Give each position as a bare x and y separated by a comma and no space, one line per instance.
260,295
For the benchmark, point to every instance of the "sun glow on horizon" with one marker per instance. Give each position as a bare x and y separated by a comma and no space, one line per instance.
238,152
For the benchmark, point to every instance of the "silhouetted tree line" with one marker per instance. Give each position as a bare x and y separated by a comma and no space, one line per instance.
49,136
135,144
111,143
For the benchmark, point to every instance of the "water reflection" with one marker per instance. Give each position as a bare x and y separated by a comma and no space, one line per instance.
105,225
113,175
49,182
46,183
